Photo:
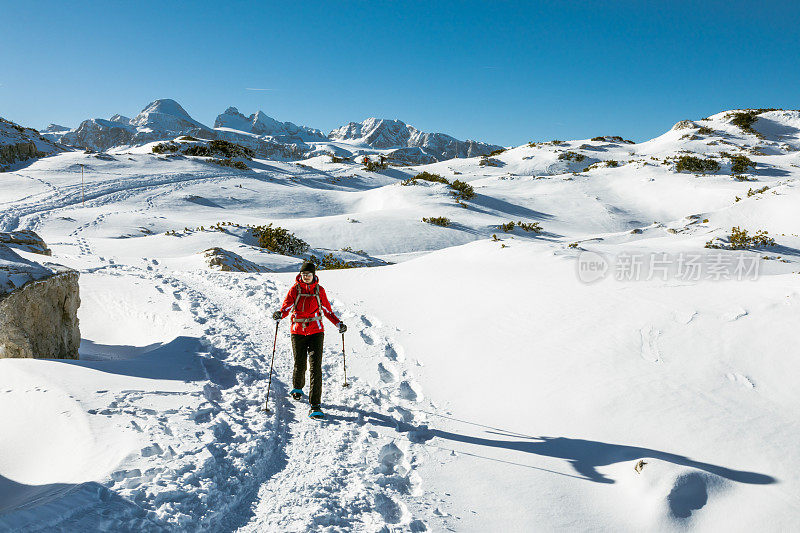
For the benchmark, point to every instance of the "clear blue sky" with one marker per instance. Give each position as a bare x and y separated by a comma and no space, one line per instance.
503,72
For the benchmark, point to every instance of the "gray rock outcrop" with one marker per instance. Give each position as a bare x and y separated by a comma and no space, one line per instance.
38,308
26,240
221,259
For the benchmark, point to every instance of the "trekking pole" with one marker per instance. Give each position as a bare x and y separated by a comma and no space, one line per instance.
269,385
344,362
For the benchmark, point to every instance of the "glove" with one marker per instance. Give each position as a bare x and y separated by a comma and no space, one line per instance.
277,315
342,327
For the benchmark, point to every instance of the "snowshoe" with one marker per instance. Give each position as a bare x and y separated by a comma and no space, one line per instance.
297,394
316,413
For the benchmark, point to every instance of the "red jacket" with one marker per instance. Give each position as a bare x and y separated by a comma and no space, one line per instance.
308,307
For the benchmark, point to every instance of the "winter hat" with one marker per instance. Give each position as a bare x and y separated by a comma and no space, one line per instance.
308,266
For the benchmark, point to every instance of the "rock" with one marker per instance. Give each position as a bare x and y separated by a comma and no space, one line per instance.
38,308
25,240
18,143
227,261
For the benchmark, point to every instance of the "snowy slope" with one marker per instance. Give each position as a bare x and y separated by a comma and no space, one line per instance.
480,366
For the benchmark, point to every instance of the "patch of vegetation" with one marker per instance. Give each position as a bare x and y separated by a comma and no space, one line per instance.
165,148
230,163
437,221
371,165
746,119
612,138
739,240
188,138
330,262
705,130
279,240
697,165
358,252
753,192
573,245
611,163
497,152
556,142
740,164
218,147
487,161
571,156
335,159
527,226
462,190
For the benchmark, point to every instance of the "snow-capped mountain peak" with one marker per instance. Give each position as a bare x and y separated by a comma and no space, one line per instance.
260,123
391,133
165,115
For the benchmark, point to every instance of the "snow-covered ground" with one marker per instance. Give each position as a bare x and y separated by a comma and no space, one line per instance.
494,387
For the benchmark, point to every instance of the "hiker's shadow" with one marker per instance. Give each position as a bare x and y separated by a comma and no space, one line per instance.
585,456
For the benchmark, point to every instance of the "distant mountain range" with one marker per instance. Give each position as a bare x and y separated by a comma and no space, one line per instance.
165,120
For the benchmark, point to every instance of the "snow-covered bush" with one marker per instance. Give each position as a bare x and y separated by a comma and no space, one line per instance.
230,163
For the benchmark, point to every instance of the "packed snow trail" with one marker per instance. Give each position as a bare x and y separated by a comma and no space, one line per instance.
212,460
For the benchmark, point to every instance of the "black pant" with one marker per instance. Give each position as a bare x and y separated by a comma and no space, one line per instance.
308,347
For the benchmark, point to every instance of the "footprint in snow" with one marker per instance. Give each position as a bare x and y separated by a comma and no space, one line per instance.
387,372
740,379
367,337
410,391
649,348
395,352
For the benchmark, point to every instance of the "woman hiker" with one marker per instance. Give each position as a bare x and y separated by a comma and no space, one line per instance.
307,302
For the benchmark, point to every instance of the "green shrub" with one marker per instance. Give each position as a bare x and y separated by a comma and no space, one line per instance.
697,165
230,163
437,221
374,166
497,152
279,240
164,148
753,192
740,164
335,159
571,156
489,162
462,190
705,130
611,163
428,176
216,148
188,138
739,240
526,226
329,262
